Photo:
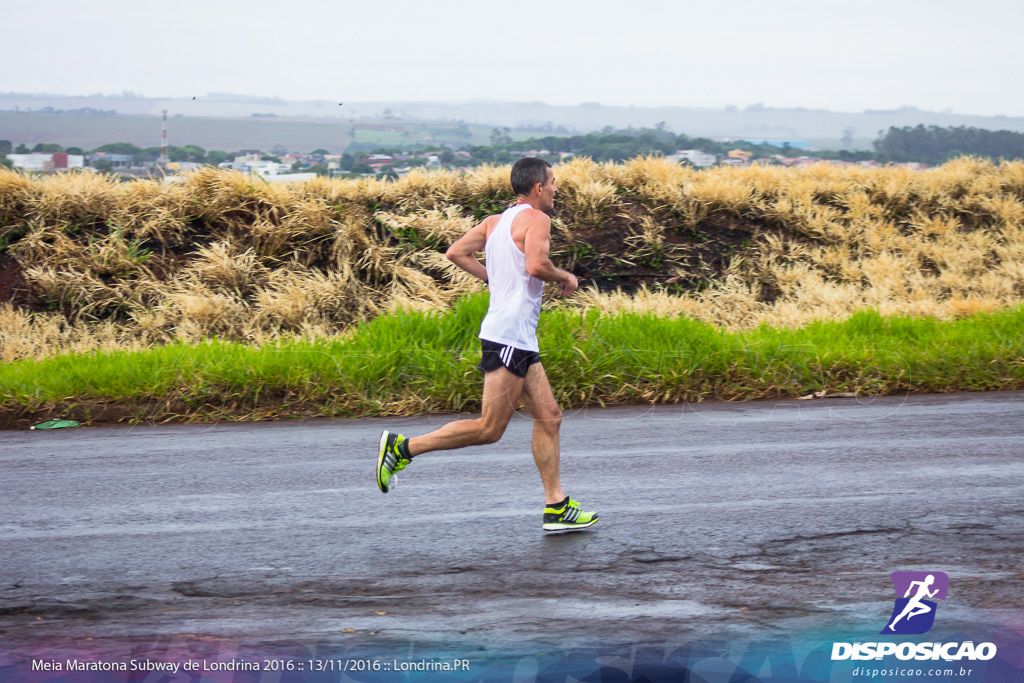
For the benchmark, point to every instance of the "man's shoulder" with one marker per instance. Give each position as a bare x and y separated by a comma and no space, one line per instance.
534,218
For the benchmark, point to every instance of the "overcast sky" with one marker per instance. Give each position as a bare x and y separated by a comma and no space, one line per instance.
959,55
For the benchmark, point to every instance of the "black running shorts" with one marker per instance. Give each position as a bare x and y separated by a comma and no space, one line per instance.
497,355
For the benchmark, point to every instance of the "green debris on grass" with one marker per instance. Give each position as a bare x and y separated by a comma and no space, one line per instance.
57,424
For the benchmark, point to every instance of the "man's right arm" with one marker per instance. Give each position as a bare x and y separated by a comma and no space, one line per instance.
463,252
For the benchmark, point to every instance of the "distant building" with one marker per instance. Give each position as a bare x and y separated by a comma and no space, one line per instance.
63,161
694,156
333,162
270,171
183,166
273,171
286,177
378,161
32,162
246,157
116,160
46,162
796,144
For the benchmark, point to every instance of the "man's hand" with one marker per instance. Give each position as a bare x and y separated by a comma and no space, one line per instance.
569,285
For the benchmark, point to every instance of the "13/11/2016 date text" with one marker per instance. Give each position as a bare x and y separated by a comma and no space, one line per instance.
350,665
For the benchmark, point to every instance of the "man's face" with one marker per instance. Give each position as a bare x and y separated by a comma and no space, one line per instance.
547,193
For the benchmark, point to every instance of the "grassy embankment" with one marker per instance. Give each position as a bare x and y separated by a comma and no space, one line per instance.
221,297
417,362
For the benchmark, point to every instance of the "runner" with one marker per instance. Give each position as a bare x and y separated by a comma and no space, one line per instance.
914,606
516,243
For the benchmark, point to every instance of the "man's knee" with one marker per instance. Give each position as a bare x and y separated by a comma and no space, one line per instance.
550,419
492,431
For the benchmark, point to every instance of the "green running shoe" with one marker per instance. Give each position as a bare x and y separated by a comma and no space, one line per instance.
567,515
389,460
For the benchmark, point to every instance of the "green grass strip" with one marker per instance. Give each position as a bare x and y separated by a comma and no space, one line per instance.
411,363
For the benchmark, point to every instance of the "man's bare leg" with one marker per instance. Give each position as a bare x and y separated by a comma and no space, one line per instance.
547,419
501,393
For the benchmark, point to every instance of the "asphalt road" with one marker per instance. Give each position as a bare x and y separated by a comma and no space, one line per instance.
716,519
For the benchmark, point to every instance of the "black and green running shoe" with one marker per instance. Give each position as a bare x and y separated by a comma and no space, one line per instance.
567,515
390,460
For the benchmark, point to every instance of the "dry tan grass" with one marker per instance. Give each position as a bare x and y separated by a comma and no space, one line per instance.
71,200
960,251
586,191
222,267
219,254
443,224
38,335
16,194
151,210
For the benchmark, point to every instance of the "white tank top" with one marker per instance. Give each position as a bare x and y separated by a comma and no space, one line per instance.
515,294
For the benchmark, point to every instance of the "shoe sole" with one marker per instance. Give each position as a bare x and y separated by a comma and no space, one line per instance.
380,460
558,526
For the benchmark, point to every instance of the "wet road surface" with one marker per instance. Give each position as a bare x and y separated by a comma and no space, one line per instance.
716,519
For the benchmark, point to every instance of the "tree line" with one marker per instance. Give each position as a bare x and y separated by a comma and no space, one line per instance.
930,145
936,145
185,153
627,143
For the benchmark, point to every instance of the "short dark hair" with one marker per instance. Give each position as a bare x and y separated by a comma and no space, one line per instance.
527,172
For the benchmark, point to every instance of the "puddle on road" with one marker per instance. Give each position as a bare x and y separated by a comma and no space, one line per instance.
755,567
594,609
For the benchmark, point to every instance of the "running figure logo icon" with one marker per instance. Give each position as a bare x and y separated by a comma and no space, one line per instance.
914,612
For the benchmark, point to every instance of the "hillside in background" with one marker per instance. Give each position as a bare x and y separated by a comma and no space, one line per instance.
294,124
266,134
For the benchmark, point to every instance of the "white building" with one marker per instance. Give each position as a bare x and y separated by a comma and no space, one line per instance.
266,171
269,172
694,156
47,162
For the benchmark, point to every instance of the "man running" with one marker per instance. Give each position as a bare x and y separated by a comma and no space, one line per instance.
914,606
516,243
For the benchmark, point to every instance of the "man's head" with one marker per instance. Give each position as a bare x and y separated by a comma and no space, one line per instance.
533,179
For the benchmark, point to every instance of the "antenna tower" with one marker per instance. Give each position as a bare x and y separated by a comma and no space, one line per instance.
163,140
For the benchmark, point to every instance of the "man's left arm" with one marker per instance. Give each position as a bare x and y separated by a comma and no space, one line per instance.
538,244
463,252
